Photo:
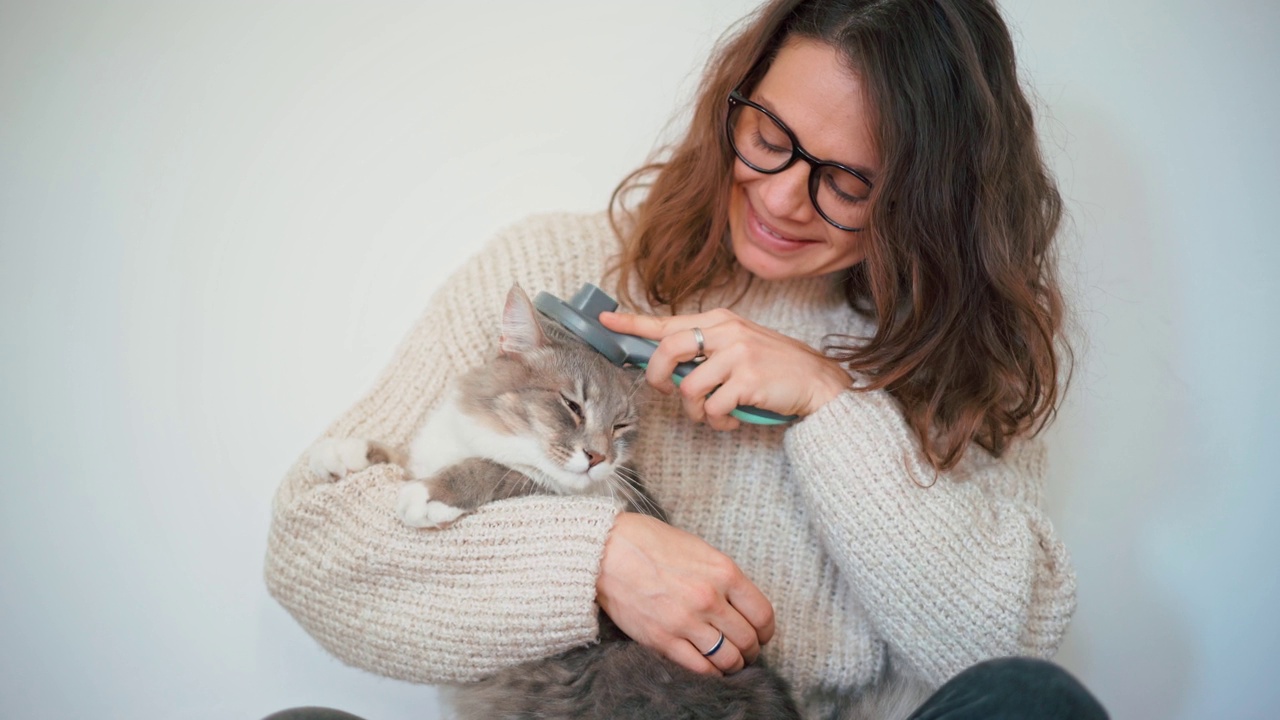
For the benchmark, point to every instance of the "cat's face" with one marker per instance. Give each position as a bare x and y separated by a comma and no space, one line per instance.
573,412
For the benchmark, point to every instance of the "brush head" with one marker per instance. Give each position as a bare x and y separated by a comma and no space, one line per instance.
580,316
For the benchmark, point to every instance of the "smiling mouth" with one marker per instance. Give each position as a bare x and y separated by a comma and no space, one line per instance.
767,236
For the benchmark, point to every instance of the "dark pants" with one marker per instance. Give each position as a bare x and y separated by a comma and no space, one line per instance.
1011,689
1001,689
311,713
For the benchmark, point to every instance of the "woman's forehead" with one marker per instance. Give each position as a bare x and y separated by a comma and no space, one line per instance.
811,88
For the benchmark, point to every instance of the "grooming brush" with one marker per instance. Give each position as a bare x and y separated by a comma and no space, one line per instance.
579,316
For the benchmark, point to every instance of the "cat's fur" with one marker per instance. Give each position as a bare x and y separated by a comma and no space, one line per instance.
550,415
547,416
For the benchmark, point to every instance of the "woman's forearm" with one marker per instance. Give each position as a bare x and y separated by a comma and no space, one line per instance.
964,569
512,583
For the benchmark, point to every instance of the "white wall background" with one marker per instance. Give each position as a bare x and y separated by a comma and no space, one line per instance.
217,220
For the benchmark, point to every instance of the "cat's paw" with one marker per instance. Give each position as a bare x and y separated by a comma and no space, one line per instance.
333,458
416,508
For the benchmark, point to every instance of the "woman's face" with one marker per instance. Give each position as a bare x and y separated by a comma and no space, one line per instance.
775,230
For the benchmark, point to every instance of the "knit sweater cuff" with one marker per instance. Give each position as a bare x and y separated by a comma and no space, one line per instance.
511,583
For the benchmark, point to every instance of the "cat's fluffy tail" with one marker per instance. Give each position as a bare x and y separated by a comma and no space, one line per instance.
623,681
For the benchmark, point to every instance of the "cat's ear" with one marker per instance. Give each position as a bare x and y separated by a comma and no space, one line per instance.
520,330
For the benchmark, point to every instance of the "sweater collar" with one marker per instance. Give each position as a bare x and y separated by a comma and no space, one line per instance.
785,303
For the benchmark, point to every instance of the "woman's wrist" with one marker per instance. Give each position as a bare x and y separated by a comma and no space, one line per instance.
612,547
827,387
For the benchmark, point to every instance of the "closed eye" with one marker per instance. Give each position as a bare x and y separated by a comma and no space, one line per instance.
759,141
574,407
840,194
621,428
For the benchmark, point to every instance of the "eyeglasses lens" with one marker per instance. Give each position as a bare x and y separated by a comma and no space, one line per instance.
766,147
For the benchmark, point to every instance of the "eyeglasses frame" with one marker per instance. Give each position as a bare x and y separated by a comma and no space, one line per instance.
737,98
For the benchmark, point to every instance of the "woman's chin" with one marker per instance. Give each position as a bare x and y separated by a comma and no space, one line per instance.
764,265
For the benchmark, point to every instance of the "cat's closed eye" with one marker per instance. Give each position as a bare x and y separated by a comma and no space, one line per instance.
574,407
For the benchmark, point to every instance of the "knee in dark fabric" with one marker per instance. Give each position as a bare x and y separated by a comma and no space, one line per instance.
1012,688
311,713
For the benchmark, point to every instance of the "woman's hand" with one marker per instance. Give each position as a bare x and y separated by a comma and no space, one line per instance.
672,592
746,365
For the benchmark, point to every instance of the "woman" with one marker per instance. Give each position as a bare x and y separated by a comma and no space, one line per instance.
857,230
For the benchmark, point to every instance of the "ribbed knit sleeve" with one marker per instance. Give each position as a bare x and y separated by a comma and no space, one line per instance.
513,582
963,570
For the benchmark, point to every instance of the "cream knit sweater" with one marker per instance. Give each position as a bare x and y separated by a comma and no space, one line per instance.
823,516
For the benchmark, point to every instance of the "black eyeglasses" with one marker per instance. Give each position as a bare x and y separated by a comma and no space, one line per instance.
768,146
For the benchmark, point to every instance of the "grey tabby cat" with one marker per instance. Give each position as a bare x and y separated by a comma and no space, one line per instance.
551,415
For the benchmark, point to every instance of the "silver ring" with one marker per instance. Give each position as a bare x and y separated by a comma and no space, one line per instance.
702,355
714,648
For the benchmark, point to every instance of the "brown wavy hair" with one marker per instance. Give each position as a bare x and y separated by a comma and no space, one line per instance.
959,274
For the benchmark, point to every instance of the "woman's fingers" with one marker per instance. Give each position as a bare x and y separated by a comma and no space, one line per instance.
674,349
683,653
742,637
645,326
702,393
739,633
769,370
724,423
727,658
723,401
712,390
678,343
654,327
753,607
672,592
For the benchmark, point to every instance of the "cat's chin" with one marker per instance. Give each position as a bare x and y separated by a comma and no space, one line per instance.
571,483
563,481
600,473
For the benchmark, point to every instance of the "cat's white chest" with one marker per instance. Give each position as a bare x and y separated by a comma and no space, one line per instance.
450,436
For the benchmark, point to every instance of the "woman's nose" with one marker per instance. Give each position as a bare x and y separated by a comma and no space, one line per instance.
786,194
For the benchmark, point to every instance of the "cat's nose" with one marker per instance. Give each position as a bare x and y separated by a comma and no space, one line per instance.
593,458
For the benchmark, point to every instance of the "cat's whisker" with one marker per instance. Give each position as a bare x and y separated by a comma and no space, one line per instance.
614,489
629,485
524,479
641,498
628,475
